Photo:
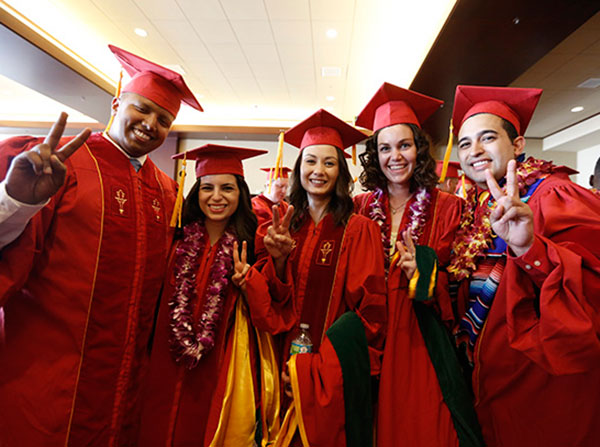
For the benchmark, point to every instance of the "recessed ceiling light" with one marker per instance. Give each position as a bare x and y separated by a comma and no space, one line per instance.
331,33
577,109
330,98
141,32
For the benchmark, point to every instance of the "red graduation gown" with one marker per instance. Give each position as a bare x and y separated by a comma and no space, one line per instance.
263,208
79,288
410,408
356,282
181,407
537,361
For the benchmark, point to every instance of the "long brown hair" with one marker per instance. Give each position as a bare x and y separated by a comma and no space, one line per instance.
372,176
340,206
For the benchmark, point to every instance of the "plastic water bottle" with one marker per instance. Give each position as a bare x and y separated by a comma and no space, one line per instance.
302,344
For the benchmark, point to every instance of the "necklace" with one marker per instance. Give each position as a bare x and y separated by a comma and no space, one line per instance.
186,344
416,218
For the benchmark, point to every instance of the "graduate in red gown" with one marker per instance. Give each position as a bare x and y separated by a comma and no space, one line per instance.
275,191
423,398
529,254
79,287
202,384
318,262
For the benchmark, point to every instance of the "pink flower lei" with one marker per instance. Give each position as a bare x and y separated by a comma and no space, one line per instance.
416,218
186,344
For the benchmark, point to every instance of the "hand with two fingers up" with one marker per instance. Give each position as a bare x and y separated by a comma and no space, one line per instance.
35,175
511,219
407,252
240,266
278,240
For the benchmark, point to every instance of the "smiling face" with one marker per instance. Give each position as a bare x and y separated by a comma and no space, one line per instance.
279,188
319,169
218,196
140,126
483,143
397,153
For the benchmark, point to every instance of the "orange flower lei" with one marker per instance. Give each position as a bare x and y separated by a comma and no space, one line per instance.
474,234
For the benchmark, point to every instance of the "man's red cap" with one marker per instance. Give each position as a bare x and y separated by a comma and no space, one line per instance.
515,105
283,172
154,82
395,105
453,168
323,128
214,159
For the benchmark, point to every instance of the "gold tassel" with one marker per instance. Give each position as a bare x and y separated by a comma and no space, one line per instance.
354,154
270,178
117,94
278,162
447,154
178,208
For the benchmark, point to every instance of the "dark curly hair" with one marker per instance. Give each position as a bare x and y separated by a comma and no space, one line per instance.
243,220
340,206
372,176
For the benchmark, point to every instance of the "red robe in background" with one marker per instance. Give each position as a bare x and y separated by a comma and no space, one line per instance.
263,208
537,359
182,406
79,289
411,409
348,267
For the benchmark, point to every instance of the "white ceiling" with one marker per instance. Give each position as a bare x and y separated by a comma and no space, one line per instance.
255,62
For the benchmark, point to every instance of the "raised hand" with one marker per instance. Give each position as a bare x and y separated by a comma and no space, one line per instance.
512,220
35,175
278,241
240,266
407,251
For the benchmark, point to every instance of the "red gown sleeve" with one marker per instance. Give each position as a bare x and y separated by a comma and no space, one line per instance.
17,258
556,323
366,286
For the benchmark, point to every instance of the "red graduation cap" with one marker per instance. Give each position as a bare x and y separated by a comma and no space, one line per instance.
395,105
283,172
323,128
214,159
452,171
516,105
159,84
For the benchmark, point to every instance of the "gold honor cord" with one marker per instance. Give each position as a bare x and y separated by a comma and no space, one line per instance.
447,154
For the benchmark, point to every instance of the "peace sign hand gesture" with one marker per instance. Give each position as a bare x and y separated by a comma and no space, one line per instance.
278,241
35,175
240,266
407,261
512,220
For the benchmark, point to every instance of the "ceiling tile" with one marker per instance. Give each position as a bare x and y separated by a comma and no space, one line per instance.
175,31
160,9
292,32
292,54
234,70
123,10
267,71
214,31
288,9
202,10
253,31
244,9
261,53
332,10
226,52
